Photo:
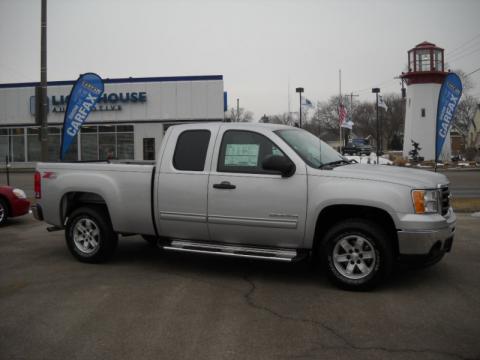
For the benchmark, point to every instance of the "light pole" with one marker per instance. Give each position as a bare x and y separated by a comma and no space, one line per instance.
299,90
42,100
376,91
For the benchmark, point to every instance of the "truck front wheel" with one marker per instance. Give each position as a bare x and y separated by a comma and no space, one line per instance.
89,234
356,254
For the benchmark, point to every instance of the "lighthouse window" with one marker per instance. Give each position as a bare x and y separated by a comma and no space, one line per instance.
423,112
423,60
438,60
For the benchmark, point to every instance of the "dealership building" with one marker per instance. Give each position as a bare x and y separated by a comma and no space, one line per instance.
128,123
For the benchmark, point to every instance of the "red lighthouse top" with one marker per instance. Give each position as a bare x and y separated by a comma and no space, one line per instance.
425,64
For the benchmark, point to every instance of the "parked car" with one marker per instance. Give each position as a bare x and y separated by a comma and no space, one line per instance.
13,202
358,147
259,191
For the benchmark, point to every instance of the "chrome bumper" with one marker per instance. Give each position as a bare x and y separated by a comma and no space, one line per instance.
420,241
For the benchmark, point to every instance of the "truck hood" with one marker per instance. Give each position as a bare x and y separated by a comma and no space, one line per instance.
413,178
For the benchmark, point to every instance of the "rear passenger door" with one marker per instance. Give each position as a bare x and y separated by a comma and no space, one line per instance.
181,187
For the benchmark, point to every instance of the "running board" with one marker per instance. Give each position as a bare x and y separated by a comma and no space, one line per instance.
232,250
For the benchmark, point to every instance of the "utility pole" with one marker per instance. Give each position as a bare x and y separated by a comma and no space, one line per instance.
376,91
42,99
238,110
340,99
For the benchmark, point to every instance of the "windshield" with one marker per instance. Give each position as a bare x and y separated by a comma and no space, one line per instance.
309,147
360,141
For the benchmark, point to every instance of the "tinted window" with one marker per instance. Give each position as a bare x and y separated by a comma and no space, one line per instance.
244,151
191,150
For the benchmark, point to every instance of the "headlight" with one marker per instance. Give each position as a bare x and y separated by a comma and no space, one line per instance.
425,201
19,193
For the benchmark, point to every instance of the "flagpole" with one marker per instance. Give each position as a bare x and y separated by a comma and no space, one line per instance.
340,102
288,115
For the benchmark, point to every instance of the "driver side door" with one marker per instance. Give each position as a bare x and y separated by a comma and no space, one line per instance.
250,205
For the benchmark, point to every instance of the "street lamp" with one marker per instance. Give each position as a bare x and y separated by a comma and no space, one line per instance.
299,90
376,91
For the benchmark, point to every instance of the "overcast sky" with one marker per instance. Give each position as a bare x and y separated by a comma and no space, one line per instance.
259,46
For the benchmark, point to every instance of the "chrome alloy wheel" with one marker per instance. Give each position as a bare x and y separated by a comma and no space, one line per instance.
86,236
354,257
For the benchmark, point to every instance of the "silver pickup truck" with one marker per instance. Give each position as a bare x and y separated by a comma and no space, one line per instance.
257,191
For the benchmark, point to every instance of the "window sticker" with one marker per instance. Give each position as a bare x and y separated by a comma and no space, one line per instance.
241,155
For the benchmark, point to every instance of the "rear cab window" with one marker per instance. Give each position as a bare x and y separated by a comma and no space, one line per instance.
191,150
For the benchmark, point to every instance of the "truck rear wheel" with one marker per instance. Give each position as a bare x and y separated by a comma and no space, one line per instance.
89,234
356,254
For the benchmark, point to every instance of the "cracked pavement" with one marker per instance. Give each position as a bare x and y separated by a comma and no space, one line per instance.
146,304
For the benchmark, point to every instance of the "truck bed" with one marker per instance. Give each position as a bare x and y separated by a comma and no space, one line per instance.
124,187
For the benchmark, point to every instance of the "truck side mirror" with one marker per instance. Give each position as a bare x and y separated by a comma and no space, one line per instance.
279,163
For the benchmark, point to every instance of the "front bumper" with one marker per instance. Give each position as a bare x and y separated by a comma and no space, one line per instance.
423,233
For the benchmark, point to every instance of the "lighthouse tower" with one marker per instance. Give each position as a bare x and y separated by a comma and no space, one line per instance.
424,78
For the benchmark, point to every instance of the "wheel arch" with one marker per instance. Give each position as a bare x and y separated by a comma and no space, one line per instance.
72,200
333,214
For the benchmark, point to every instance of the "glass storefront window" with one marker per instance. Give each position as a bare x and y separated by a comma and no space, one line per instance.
107,128
53,147
18,147
125,146
34,150
96,143
89,144
106,146
3,146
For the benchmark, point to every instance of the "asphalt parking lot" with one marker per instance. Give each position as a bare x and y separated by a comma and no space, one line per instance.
151,305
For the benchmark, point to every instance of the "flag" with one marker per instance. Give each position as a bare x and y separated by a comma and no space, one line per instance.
450,94
347,124
306,103
342,114
85,93
381,103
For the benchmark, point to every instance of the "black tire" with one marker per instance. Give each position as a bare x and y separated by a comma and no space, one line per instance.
96,220
363,238
4,212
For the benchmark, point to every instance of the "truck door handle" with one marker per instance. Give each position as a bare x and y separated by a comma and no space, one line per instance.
224,185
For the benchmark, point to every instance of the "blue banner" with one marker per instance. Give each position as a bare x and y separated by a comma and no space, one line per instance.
448,99
85,93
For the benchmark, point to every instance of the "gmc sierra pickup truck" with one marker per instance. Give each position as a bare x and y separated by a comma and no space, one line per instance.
257,191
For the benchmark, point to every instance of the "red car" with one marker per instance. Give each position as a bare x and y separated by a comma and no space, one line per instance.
13,202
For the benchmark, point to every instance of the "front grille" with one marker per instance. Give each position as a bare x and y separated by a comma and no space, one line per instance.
445,199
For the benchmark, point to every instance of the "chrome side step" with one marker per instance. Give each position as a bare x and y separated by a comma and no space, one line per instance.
232,250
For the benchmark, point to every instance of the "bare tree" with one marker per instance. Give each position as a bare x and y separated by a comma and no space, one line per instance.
464,115
276,119
242,115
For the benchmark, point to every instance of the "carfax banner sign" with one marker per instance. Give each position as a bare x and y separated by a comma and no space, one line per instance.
85,93
450,94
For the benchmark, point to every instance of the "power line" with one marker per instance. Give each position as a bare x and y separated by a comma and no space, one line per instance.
462,55
462,45
473,72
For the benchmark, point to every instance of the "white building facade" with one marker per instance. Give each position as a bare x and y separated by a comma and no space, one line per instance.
128,122
424,79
